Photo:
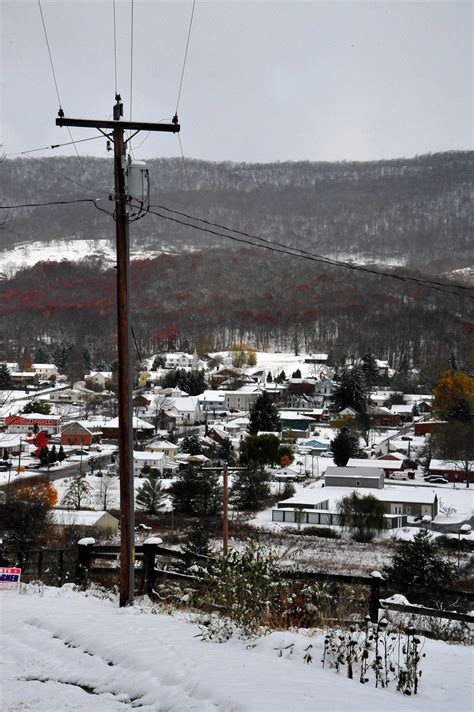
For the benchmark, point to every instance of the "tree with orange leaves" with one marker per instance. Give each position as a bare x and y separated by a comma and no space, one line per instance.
452,388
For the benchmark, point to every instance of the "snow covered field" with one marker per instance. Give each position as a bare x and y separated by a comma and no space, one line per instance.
65,650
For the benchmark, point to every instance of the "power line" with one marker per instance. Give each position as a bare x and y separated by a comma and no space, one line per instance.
71,180
185,57
115,48
53,145
302,254
51,202
49,52
184,163
131,58
56,82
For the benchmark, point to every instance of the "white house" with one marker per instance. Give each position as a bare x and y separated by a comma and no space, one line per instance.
100,377
141,459
45,370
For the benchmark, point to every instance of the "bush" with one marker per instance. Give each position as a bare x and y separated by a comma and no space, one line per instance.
324,532
419,562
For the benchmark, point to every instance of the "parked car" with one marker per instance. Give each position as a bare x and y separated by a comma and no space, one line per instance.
399,476
437,480
406,437
80,452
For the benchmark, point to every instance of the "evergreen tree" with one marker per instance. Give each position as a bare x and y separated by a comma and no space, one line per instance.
41,355
264,415
370,370
269,377
296,374
44,456
196,492
260,450
6,382
419,562
250,489
198,539
61,454
191,445
453,362
150,494
344,446
226,452
351,391
52,455
37,406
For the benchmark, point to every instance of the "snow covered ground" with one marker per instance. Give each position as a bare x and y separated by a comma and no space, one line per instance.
71,249
65,650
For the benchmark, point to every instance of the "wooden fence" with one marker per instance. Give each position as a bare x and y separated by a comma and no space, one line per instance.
84,564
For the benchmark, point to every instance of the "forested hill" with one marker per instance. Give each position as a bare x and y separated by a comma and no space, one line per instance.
416,212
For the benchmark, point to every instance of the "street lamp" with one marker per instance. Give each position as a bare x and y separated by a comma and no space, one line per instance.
463,529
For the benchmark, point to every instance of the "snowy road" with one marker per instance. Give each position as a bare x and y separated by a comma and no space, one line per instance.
69,651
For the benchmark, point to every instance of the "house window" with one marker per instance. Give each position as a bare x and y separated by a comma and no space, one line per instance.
358,483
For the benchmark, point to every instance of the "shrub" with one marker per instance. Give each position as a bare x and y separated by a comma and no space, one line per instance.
419,562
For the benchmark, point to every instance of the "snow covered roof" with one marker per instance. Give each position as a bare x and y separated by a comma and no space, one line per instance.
137,423
453,465
78,517
384,464
355,472
147,455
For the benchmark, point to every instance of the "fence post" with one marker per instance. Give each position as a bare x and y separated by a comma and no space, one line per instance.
150,547
84,556
374,596
61,567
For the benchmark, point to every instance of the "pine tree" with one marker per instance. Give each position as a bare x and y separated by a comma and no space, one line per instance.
226,452
419,562
196,492
344,446
264,415
150,494
250,489
52,455
351,391
5,378
44,456
61,454
370,370
191,445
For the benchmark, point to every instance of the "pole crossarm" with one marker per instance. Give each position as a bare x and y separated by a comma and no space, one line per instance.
124,125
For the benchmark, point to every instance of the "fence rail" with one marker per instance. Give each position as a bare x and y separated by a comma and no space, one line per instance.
147,572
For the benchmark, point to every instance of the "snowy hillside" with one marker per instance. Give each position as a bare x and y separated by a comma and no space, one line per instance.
65,650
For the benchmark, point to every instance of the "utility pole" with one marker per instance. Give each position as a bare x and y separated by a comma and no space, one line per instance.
127,504
225,526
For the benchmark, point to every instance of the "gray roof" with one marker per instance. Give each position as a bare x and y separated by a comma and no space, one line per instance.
355,472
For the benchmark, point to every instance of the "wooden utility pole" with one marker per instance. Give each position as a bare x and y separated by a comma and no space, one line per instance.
225,526
127,504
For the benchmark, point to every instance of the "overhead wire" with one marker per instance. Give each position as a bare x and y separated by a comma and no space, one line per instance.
115,49
56,83
68,178
131,66
52,146
185,57
303,254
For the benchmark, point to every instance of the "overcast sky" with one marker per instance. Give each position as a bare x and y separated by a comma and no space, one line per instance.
264,81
